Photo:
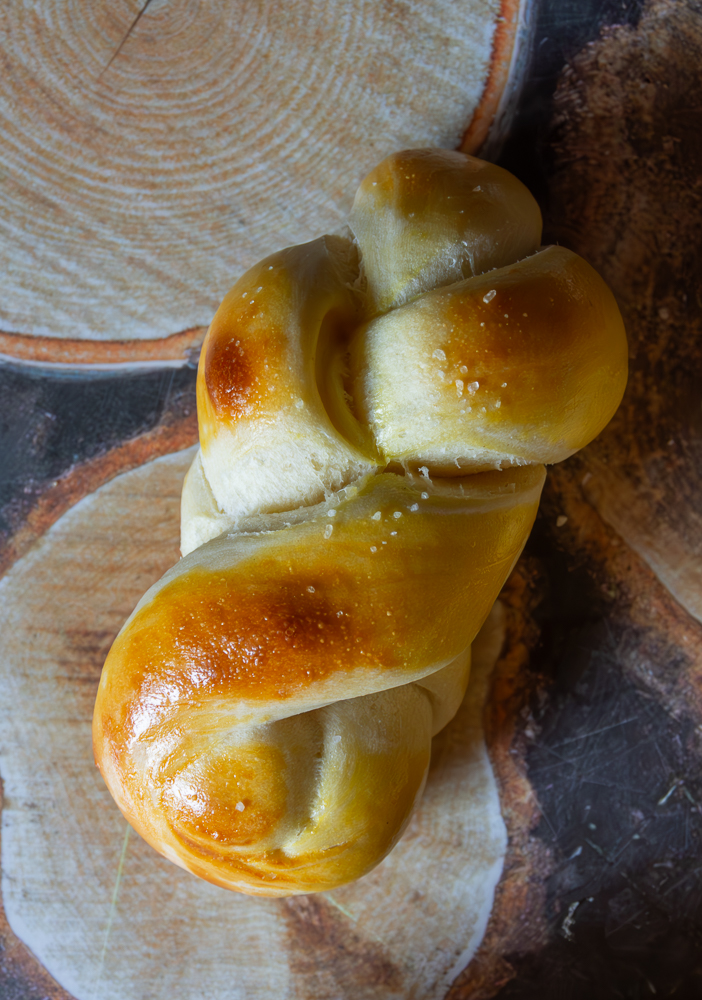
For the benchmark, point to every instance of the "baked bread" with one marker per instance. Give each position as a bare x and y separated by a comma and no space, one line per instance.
375,412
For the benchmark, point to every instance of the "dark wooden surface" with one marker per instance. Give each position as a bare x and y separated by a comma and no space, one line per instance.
610,738
595,723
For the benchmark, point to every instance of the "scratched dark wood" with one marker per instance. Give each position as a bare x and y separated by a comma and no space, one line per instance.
594,722
63,434
611,740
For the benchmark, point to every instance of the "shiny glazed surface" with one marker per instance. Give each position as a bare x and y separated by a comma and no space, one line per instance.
221,687
264,718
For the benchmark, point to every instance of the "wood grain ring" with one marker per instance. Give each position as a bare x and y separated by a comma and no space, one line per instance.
148,163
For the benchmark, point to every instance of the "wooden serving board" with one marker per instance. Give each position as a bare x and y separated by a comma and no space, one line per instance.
108,917
154,150
594,716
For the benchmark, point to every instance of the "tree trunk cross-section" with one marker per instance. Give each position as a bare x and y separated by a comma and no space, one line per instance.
112,920
597,774
142,170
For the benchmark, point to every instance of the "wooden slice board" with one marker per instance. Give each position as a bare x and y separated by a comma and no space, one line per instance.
107,916
153,151
594,718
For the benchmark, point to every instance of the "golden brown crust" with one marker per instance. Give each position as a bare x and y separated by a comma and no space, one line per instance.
425,218
250,630
264,717
276,431
526,363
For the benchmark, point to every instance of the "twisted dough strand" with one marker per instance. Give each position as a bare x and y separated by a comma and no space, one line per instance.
264,717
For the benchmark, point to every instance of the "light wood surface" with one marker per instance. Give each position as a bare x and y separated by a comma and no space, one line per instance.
106,915
148,160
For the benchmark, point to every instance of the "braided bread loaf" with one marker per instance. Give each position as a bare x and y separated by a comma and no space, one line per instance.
375,411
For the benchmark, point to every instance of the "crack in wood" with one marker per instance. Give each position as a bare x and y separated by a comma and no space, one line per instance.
121,45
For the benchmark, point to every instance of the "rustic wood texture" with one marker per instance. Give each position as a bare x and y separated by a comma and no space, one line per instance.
609,739
63,435
627,195
511,54
518,923
106,915
152,152
50,350
593,722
